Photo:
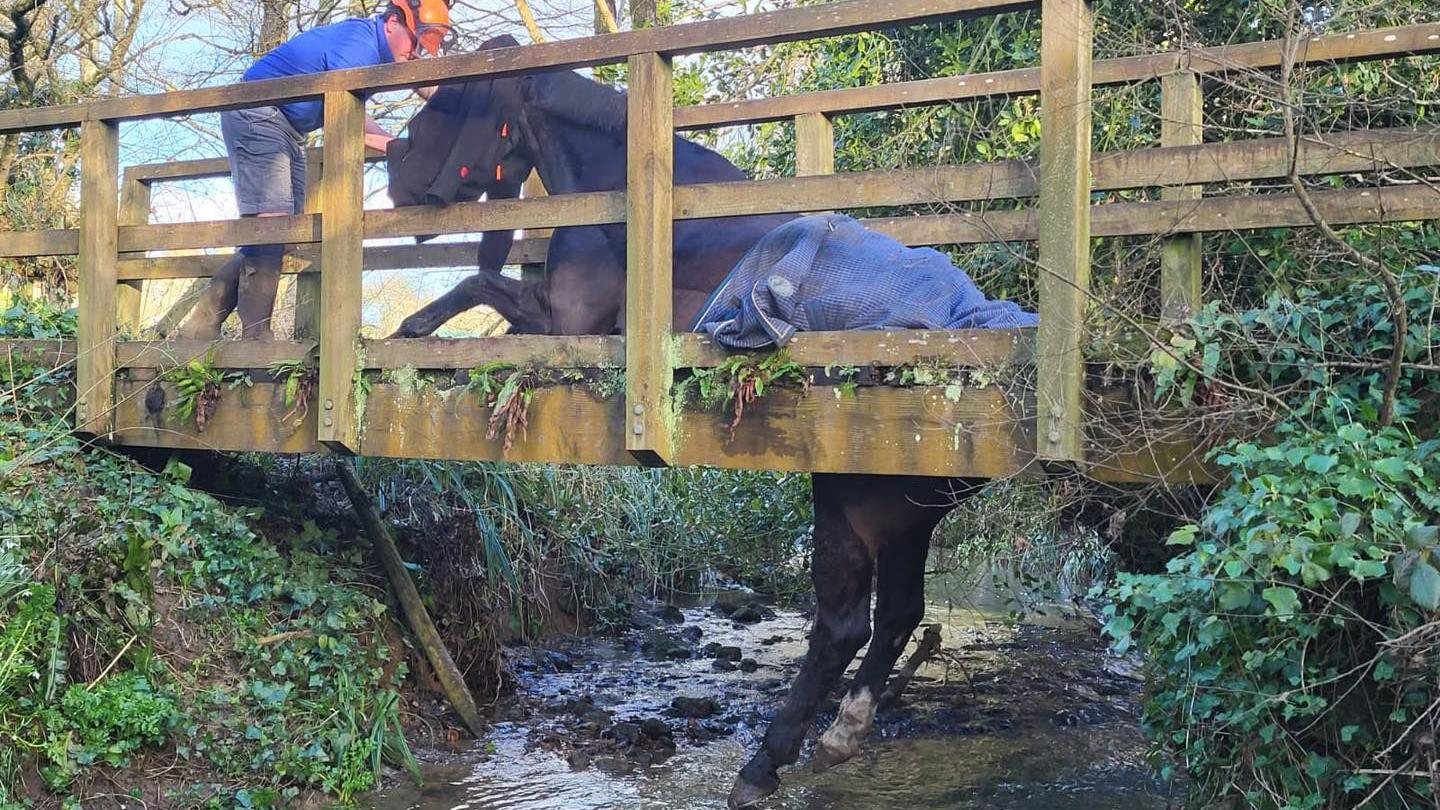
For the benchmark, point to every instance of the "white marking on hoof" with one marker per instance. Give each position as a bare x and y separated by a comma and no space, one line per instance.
842,740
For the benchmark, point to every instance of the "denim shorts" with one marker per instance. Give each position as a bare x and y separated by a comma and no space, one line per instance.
267,161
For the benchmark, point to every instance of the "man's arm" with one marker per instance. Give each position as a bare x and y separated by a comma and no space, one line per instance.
375,136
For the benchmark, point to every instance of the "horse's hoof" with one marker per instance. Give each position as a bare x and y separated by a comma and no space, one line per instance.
198,332
827,757
748,794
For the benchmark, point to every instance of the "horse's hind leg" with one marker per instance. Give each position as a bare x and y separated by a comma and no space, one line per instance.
899,607
841,569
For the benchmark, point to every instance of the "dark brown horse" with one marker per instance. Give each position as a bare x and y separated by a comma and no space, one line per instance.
868,528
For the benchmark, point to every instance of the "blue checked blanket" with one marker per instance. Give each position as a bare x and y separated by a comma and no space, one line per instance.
828,273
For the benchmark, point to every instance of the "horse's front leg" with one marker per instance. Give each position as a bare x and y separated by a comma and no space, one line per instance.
519,302
841,569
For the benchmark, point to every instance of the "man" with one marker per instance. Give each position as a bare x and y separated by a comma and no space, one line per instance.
266,147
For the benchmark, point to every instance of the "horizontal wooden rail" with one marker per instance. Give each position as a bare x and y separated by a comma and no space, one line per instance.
238,354
1211,161
806,22
1383,43
210,168
26,244
1406,203
53,353
571,351
444,256
1234,161
891,347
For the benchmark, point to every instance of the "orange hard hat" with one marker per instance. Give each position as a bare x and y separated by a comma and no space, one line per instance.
428,20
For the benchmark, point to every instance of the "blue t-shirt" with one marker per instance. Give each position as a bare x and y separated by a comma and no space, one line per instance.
348,44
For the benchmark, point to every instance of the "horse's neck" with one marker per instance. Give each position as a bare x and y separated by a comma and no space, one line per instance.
572,160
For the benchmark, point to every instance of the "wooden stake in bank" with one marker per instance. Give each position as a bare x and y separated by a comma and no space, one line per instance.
450,679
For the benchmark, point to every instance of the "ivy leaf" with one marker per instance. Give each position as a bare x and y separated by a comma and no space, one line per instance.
1351,433
1321,463
1392,468
1349,524
1420,537
1234,595
1284,600
1425,586
1368,569
1183,536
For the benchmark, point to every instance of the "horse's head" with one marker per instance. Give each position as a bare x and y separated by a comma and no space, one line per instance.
485,136
463,144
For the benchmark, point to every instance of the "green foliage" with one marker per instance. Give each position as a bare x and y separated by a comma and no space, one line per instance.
506,390
106,722
1318,349
610,535
30,387
278,673
300,378
198,384
1290,649
738,381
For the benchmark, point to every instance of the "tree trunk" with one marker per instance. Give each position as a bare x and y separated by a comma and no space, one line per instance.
274,25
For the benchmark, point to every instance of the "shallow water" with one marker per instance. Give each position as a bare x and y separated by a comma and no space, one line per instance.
1019,717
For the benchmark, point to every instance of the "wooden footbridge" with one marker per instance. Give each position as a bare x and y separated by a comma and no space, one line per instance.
1047,410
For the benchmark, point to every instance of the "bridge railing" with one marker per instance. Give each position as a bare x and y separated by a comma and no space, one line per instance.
113,239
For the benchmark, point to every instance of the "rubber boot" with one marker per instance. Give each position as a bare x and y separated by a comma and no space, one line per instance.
259,280
215,304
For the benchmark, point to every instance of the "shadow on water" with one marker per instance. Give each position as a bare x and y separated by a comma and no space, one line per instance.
1011,715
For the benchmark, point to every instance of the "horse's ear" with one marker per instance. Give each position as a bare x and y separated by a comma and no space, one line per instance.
502,41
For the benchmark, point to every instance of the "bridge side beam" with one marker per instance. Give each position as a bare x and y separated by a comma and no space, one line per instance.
99,261
1064,211
342,257
649,223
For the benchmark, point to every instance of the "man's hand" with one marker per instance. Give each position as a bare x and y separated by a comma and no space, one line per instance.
426,92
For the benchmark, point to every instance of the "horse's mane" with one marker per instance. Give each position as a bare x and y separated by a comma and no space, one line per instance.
571,97
580,101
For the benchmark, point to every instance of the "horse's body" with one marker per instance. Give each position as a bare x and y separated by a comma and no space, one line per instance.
867,528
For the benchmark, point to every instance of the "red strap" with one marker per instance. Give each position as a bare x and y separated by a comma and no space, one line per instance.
505,130
464,172
498,173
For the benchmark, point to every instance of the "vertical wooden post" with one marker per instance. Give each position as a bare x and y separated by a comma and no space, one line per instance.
1181,124
649,369
814,145
98,268
1064,282
342,259
307,285
532,189
134,210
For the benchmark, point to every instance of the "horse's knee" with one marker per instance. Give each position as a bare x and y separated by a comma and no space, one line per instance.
905,618
845,632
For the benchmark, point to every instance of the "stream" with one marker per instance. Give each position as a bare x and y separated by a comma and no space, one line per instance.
1011,714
